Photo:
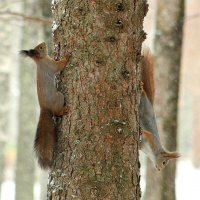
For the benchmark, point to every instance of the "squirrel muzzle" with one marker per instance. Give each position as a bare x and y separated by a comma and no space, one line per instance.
30,53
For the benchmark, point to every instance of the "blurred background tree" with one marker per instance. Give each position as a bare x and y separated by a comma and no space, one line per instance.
28,111
168,49
28,36
4,79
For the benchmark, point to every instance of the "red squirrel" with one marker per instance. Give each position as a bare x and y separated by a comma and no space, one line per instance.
150,141
51,102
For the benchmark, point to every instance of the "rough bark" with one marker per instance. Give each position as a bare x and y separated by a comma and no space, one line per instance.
25,166
168,44
97,151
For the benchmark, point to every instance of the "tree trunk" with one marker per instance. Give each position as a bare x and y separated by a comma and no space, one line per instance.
168,44
97,151
196,137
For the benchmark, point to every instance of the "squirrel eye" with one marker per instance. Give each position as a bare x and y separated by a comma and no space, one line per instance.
164,163
40,47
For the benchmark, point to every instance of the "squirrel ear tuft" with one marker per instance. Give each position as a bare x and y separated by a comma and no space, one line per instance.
30,53
24,53
171,155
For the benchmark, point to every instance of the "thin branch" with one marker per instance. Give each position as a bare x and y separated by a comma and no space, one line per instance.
44,21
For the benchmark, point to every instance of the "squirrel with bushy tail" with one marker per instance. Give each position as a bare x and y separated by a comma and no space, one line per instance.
150,142
51,102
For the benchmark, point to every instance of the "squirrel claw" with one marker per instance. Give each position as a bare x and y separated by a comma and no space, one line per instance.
62,112
65,110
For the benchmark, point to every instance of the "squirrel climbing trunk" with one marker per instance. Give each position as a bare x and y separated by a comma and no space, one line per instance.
51,102
150,140
45,139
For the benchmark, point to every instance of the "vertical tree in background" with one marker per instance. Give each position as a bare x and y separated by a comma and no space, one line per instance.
9,66
196,136
4,89
46,13
97,151
168,44
25,166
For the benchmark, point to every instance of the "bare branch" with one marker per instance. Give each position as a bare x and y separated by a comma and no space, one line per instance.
44,21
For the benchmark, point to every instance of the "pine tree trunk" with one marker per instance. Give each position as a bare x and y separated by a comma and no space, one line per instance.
97,151
168,44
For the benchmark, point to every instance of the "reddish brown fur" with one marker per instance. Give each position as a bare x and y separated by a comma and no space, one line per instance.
171,155
45,139
150,142
149,137
148,75
51,102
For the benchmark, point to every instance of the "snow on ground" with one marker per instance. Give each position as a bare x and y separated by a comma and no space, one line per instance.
187,183
8,190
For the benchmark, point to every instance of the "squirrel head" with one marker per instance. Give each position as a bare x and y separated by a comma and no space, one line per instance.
40,51
163,158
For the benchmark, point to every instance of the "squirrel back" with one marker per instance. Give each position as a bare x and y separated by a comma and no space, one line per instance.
147,75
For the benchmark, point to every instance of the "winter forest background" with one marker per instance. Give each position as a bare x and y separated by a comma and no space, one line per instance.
26,23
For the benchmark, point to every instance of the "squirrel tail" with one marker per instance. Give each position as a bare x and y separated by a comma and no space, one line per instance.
45,139
148,74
